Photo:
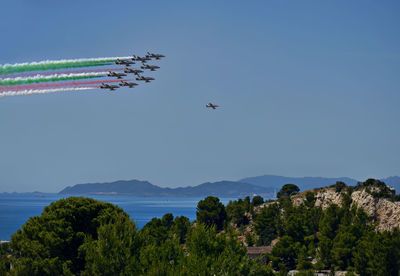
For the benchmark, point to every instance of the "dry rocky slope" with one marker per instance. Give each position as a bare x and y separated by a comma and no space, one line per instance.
385,212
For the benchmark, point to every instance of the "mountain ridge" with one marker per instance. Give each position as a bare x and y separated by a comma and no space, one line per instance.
266,185
145,188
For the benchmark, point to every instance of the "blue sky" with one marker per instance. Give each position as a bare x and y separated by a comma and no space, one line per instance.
306,88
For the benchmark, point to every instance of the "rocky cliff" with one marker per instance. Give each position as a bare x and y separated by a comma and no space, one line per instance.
384,211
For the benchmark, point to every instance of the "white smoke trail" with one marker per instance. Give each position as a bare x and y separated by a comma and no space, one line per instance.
56,64
55,76
44,62
42,91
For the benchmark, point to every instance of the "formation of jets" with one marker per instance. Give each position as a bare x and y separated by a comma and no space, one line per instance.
137,72
129,70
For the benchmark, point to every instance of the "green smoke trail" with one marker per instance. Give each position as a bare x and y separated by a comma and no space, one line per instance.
56,64
38,80
9,69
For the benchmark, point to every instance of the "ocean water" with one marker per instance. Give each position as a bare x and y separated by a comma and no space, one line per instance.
16,209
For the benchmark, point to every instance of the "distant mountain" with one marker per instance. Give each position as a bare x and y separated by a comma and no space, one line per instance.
393,181
304,183
264,185
131,187
144,188
223,188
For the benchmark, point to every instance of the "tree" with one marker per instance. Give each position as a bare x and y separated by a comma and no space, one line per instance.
211,211
285,252
288,190
310,199
115,252
236,212
210,253
50,244
339,186
257,200
265,224
181,227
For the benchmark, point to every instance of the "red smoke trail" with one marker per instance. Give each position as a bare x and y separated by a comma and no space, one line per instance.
60,72
53,85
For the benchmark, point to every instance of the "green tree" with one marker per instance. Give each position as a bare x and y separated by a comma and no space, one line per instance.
310,199
257,200
181,227
211,211
236,212
50,244
339,186
266,224
285,252
288,190
116,250
212,254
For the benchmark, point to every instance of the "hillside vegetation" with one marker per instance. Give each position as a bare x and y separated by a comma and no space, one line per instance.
337,228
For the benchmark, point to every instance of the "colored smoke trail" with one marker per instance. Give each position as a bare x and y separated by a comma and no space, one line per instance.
43,91
55,77
26,75
56,64
53,85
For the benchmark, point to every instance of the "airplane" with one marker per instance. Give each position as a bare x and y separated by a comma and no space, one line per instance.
114,74
130,84
108,86
142,59
151,67
142,78
213,106
134,71
156,56
124,62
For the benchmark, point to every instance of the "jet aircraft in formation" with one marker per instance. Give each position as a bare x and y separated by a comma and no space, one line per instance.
151,67
133,71
156,56
211,105
129,84
142,78
142,59
124,62
115,74
108,86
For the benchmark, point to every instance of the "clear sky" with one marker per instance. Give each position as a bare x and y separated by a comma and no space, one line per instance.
306,88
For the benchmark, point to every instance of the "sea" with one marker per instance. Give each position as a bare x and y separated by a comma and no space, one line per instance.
16,209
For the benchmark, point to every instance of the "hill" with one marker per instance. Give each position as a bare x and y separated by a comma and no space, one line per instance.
304,183
144,188
265,185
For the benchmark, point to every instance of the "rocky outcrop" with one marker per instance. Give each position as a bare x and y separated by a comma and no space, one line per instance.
385,212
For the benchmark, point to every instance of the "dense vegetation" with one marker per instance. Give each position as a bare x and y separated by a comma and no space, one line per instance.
82,236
